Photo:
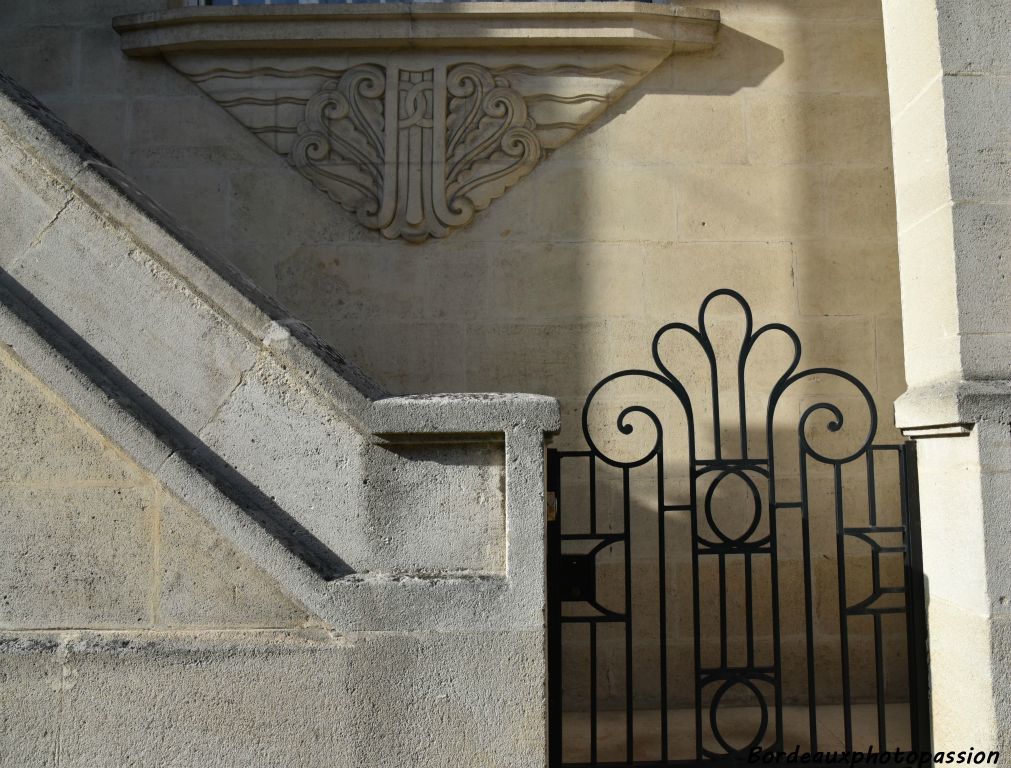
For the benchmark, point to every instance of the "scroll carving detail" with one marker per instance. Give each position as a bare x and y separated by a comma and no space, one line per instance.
416,153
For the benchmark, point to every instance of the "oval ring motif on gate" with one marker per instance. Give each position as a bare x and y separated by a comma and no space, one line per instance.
755,495
763,724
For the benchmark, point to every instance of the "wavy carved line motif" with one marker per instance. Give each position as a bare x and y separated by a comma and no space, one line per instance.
256,101
580,99
561,125
200,76
242,74
535,98
571,69
272,129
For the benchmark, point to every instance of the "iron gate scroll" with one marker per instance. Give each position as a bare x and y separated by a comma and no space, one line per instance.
675,640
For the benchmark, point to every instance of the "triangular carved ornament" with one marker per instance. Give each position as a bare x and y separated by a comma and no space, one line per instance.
416,129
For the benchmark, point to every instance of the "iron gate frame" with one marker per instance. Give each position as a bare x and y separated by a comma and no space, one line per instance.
913,583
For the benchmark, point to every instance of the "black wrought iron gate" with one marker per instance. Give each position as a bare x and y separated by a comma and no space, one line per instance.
730,588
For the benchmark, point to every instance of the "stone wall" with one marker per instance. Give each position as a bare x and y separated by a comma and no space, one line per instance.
764,166
196,490
92,540
950,85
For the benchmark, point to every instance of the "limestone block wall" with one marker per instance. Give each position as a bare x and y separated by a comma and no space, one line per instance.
91,540
764,166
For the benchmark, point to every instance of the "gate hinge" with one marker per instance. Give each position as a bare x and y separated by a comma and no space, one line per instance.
551,506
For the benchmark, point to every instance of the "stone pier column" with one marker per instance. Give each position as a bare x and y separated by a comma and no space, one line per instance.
949,72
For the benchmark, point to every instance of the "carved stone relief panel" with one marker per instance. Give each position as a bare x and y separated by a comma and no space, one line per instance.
417,117
415,148
415,152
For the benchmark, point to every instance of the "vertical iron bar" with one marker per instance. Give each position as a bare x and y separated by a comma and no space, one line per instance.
662,577
593,625
879,668
749,610
723,609
875,571
714,384
554,547
593,692
879,671
777,651
916,614
697,628
805,527
872,498
908,578
843,619
742,361
770,442
629,727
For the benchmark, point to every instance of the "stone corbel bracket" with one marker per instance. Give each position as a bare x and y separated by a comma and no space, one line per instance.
952,408
417,116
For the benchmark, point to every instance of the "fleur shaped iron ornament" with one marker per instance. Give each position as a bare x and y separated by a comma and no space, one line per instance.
416,153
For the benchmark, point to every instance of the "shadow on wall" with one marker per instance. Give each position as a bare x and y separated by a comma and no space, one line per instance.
523,299
737,61
612,260
613,318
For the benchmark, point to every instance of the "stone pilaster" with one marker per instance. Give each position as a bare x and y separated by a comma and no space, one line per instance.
949,69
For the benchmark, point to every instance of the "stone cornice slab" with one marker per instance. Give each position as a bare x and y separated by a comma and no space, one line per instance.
419,25
416,117
951,408
463,413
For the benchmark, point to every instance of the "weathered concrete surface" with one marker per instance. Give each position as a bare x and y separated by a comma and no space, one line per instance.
259,699
233,393
89,539
60,548
427,555
204,581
